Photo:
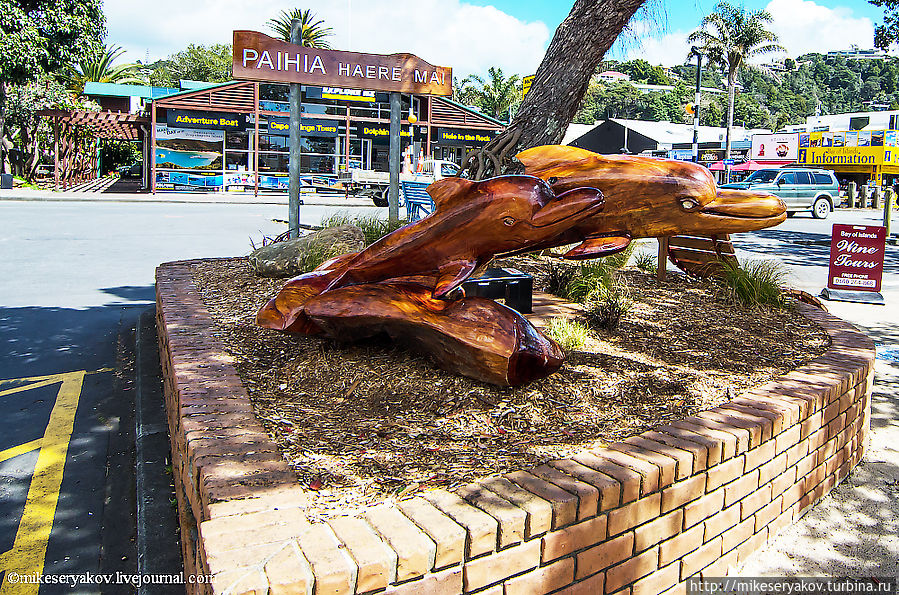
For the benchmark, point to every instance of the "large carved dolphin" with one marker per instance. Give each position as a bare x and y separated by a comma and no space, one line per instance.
472,222
646,197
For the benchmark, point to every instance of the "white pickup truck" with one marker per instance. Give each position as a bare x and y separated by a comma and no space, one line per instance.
376,184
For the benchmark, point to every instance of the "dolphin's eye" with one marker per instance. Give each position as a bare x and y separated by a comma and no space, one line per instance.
688,204
510,221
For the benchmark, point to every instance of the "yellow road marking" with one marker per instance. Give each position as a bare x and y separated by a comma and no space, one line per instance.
30,546
20,449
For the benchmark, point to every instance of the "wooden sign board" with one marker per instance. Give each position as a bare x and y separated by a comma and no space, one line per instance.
259,57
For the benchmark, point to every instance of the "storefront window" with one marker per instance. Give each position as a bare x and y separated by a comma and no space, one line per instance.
311,144
317,164
273,142
273,162
237,140
238,161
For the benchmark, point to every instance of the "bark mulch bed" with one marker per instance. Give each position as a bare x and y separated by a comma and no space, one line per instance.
368,421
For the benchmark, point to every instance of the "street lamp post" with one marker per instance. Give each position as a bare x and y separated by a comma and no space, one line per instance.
696,52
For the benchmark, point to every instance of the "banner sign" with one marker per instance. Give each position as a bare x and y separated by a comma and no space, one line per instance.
854,156
258,57
455,136
526,83
380,133
308,127
341,94
775,147
163,132
856,257
179,118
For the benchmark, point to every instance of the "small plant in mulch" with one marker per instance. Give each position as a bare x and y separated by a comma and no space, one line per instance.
372,226
604,309
571,335
646,262
755,283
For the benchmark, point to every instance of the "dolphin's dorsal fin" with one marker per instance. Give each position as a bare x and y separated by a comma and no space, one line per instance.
598,246
449,190
452,275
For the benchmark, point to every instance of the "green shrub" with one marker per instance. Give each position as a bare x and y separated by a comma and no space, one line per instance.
317,254
373,227
755,283
605,307
569,334
646,262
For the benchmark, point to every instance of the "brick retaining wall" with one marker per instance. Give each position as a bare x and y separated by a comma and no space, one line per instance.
637,518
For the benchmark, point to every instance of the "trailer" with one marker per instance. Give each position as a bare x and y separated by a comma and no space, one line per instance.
376,184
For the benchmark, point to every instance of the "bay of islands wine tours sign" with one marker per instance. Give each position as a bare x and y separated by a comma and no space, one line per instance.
259,57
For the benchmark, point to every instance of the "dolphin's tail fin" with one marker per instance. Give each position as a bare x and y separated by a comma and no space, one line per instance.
285,311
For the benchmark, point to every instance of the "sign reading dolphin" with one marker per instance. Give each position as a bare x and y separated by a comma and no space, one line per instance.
646,197
472,222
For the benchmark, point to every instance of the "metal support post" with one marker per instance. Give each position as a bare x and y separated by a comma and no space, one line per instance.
393,159
695,51
293,165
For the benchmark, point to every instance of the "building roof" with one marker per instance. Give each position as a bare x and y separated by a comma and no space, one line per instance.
576,131
474,111
669,133
119,90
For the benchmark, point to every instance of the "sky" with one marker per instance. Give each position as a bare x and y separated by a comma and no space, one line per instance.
472,35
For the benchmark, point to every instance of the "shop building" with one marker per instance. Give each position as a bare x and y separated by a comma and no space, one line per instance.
234,136
861,156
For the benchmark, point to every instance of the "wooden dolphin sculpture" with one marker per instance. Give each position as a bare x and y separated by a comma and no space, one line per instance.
646,197
472,222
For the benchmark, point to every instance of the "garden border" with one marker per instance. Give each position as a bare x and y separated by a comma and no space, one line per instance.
636,518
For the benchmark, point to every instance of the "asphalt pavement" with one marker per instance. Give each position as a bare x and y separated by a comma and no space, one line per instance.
81,410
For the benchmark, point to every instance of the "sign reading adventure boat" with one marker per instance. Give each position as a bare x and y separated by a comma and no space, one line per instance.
263,58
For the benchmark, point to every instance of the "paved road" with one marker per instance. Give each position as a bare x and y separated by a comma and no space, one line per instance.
76,277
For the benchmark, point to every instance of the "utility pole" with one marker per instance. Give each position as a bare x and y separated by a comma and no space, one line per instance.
393,159
695,51
293,166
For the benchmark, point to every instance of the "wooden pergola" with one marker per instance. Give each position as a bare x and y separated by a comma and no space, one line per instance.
71,165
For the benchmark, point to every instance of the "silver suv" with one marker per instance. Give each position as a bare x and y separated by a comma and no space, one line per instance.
815,190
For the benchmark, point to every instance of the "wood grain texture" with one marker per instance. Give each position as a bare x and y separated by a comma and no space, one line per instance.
474,337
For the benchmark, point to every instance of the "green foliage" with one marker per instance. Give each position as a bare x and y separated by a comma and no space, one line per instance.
210,64
114,153
98,67
606,306
646,262
497,96
316,254
756,283
313,31
569,334
373,227
584,281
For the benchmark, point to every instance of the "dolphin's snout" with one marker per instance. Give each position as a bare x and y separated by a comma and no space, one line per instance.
745,204
574,204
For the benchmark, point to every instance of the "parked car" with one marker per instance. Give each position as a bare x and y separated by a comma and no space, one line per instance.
135,170
815,190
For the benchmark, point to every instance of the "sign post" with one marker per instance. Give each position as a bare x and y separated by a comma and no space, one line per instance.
856,264
393,160
293,163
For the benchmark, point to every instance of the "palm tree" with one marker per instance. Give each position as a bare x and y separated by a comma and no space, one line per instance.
98,68
729,37
499,95
313,32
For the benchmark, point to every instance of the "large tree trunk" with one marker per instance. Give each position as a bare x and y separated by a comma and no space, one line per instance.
559,85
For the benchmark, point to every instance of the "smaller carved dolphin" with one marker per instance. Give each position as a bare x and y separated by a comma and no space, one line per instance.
472,222
646,197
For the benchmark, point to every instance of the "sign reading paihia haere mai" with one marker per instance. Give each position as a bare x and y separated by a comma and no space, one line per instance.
262,58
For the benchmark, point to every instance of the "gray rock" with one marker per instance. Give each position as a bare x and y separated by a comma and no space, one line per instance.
293,257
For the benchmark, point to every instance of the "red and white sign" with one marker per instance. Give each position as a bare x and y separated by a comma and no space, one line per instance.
775,147
856,257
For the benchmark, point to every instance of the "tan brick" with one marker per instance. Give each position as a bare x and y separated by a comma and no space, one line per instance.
775,419
759,428
768,513
487,570
628,479
633,569
794,453
542,580
335,571
589,586
759,455
677,547
810,424
635,513
587,495
722,521
760,398
782,482
574,537
724,473
243,581
481,527
657,582
741,487
375,560
289,573
794,493
415,551
735,440
683,491
737,534
746,549
701,509
699,559
683,458
678,589
658,530
783,520
539,511
720,567
564,503
667,466
648,472
699,450
445,582
755,501
605,554
773,468
609,487
511,519
787,439
448,535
